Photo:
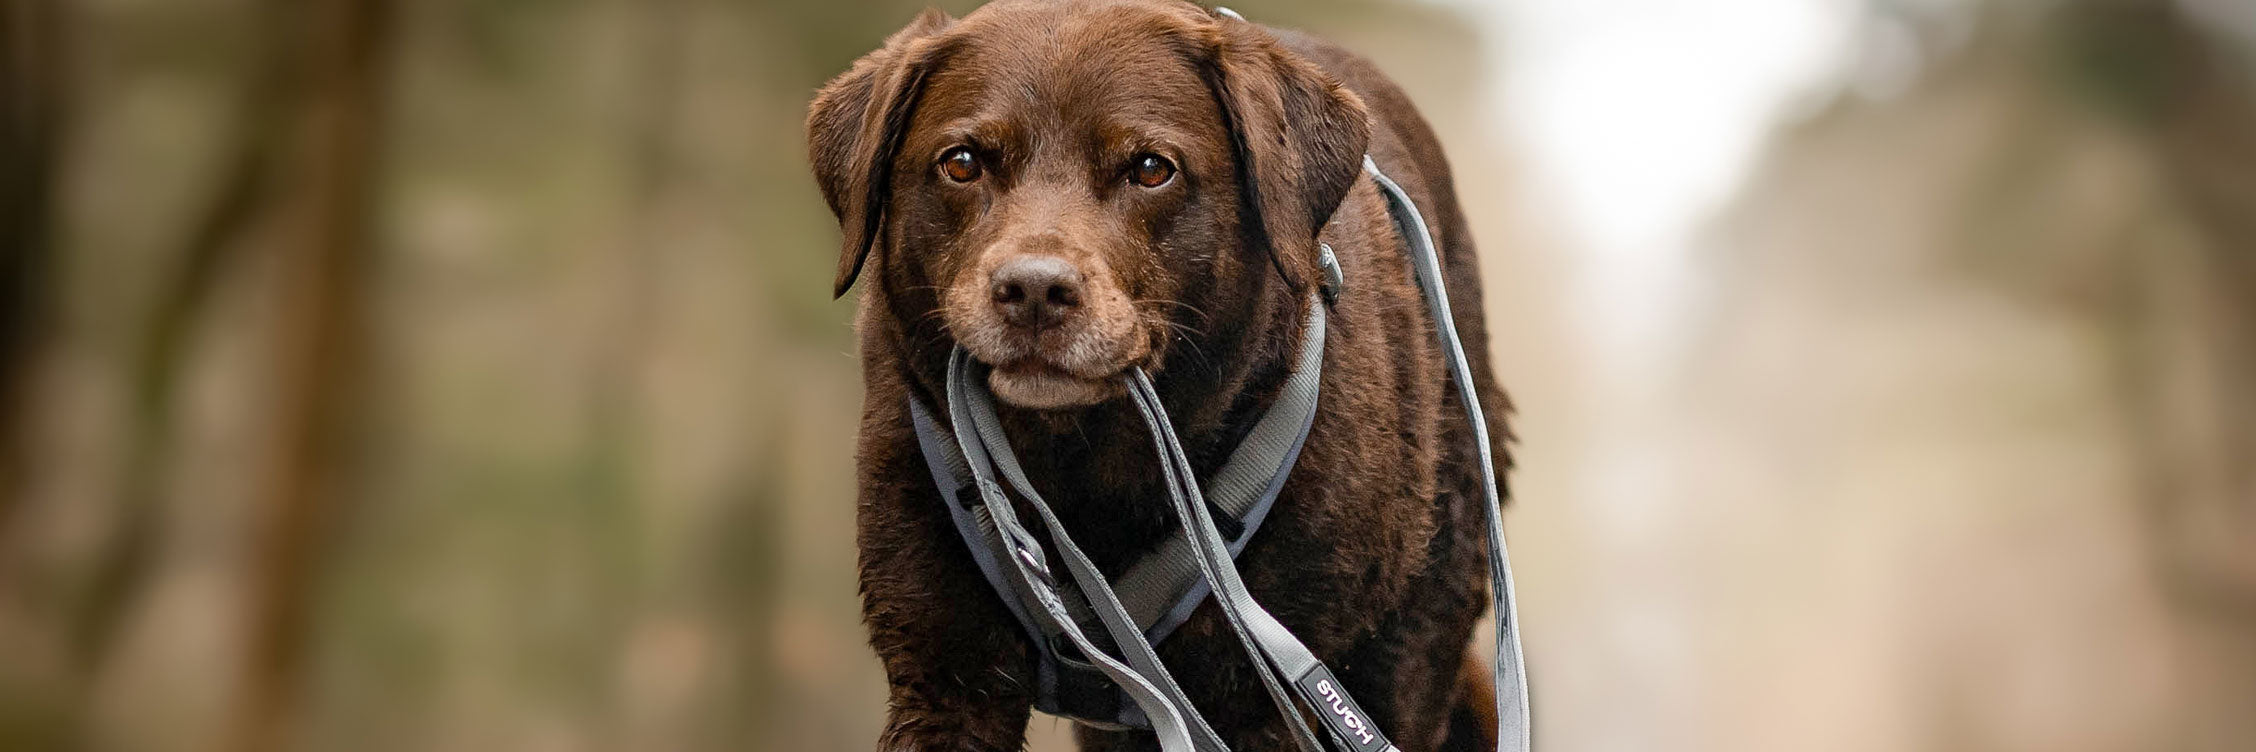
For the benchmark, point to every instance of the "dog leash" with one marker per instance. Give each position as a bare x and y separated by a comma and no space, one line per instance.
984,451
1515,731
1162,589
1179,726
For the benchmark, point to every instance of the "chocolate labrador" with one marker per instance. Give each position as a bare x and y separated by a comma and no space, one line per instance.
1069,189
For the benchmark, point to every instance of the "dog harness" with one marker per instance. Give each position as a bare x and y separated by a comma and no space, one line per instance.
1094,637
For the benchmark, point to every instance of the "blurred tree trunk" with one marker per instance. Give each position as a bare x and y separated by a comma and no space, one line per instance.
614,461
750,571
32,81
2207,145
325,263
240,194
2186,326
2201,461
34,73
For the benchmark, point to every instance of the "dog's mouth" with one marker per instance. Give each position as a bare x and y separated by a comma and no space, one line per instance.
1071,361
1062,373
1039,385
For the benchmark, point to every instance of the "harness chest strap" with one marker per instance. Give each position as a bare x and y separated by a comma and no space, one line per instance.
1162,589
1143,678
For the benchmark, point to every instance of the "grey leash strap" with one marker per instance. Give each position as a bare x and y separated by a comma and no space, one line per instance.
1265,638
1513,733
1244,489
984,442
1164,703
1161,590
1094,589
1271,648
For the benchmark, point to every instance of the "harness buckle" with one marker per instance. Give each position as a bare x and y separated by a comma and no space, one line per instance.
1334,278
1034,562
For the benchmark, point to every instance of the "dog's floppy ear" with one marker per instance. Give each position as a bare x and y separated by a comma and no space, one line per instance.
854,128
1299,138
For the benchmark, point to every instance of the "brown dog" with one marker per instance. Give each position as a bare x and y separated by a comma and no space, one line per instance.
1068,189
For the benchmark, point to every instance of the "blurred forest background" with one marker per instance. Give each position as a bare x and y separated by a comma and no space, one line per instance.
460,375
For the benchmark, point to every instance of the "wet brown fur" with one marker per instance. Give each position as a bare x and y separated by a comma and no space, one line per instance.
1374,554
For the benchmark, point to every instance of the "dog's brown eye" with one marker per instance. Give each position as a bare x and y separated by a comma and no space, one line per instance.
960,165
1150,170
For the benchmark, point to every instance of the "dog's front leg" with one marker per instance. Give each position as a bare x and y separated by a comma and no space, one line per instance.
960,670
960,666
981,728
954,690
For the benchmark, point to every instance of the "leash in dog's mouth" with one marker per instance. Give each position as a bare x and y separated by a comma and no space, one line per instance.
1039,385
1076,675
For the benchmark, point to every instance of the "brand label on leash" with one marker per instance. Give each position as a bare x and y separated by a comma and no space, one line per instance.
1340,712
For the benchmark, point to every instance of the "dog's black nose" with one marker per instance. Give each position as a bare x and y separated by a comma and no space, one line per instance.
1033,292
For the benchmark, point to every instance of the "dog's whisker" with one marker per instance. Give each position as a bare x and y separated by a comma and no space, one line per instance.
932,314
1189,337
941,335
1180,304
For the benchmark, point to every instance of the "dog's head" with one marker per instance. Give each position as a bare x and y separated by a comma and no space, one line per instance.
1067,188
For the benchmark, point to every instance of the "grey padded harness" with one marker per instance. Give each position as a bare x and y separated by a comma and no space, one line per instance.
1076,677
